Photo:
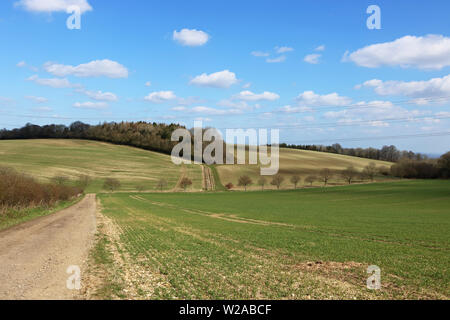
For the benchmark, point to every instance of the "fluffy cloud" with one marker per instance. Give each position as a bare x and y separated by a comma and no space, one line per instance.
161,96
190,37
320,48
96,68
311,99
100,96
283,49
49,6
276,60
429,52
21,64
373,113
53,82
90,105
312,58
250,96
421,90
37,99
222,79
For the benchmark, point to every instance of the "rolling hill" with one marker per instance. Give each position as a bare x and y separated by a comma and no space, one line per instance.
45,159
298,162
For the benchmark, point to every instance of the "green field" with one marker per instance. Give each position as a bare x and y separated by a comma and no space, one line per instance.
301,163
45,159
304,244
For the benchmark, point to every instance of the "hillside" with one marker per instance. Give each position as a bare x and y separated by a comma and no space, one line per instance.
45,159
298,162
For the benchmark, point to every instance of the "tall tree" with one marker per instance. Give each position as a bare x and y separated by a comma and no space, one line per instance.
244,181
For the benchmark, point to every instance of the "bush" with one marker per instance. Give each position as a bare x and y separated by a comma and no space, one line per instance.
229,186
19,191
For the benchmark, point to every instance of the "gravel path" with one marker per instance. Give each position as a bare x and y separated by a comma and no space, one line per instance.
34,256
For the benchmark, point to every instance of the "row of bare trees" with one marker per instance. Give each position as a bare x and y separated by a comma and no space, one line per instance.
350,174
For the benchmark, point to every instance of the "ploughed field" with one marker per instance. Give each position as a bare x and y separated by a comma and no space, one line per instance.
297,244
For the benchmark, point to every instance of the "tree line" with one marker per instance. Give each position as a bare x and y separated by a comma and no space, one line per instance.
150,136
386,153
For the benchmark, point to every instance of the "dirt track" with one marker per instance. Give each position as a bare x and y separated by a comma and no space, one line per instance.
34,256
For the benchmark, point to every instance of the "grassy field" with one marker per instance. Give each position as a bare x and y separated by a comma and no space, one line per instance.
45,159
298,162
299,244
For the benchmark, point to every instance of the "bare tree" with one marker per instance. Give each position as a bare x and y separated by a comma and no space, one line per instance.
295,180
325,176
111,184
84,181
277,180
244,181
262,182
349,174
161,184
370,171
310,180
60,180
185,182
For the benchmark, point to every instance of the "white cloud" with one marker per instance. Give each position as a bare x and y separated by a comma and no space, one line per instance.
312,58
276,60
376,112
49,6
250,96
320,48
161,96
298,109
21,64
222,79
90,105
234,104
190,37
421,90
37,99
311,99
179,108
148,84
247,85
212,111
96,68
100,96
428,52
283,49
53,82
260,54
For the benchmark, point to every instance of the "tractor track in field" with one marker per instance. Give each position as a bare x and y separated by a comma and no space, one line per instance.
208,179
35,255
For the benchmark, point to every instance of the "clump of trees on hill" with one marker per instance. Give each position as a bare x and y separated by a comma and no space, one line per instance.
149,136
19,191
387,153
424,169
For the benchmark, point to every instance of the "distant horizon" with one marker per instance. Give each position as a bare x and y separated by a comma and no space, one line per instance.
428,154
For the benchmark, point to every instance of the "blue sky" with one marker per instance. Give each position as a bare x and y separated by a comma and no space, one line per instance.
310,68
